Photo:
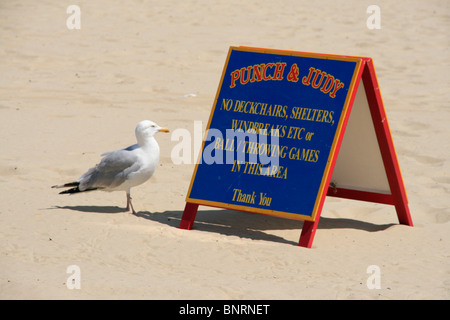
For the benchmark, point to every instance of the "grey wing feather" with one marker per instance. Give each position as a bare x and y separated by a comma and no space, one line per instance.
112,170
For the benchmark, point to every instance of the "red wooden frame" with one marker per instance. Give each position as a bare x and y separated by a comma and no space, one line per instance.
397,197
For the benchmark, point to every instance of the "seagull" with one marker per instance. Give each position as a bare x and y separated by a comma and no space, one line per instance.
122,169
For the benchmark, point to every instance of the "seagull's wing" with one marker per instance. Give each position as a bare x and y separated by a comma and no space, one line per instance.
112,171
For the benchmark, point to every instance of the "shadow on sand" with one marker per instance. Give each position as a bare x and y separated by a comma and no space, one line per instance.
236,223
252,226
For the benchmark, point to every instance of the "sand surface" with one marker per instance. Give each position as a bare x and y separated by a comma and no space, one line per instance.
66,96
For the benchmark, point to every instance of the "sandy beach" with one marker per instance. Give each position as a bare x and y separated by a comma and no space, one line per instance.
68,95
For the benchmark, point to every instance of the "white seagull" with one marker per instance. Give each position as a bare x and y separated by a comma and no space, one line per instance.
122,169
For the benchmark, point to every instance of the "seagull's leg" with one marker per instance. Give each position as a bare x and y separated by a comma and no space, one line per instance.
129,204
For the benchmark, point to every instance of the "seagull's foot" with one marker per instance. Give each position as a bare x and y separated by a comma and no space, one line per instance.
129,204
130,208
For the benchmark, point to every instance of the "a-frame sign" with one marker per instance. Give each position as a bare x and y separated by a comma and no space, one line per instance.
289,128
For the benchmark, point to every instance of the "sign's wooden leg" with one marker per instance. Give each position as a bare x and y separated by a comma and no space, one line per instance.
308,232
386,144
187,220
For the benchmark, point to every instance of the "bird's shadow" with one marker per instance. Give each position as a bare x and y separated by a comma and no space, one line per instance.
93,209
237,223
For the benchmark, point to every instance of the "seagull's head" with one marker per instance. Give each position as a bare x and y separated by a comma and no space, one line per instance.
146,129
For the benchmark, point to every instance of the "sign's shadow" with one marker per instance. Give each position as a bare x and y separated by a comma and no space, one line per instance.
236,223
253,226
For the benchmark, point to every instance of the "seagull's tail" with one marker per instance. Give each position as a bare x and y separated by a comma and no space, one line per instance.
75,188
67,185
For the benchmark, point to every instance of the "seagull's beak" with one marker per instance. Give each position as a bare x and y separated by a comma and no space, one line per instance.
163,130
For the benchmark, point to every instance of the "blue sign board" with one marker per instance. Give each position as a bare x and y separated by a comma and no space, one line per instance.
273,131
